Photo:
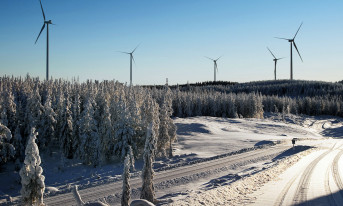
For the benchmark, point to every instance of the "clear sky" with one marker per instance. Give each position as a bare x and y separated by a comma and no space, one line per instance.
175,35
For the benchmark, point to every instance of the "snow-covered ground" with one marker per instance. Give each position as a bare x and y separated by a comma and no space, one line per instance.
279,183
210,136
201,139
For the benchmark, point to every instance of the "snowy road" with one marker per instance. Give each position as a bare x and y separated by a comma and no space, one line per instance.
314,180
178,174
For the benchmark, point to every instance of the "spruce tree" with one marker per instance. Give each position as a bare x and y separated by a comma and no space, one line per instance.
7,150
48,125
67,138
32,179
124,133
126,195
89,135
148,190
18,144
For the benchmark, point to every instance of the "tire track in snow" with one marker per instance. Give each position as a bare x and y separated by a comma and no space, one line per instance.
285,190
300,196
336,173
302,189
328,191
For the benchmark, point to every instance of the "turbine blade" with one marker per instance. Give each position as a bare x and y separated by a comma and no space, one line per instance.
133,59
40,32
136,48
281,58
42,9
297,50
218,58
209,58
123,52
298,30
281,38
271,53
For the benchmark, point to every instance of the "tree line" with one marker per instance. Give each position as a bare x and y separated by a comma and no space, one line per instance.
95,122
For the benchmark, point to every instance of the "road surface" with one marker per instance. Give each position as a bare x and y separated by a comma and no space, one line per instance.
315,180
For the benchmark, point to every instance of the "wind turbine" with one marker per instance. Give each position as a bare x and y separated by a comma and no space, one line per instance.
215,66
292,42
47,39
131,58
275,60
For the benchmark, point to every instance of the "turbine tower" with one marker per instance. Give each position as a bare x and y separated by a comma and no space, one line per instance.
131,58
275,60
292,43
46,22
215,66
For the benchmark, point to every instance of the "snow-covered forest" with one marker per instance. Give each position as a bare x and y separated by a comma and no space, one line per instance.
95,122
254,98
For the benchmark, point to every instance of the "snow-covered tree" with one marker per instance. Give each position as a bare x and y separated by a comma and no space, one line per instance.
18,144
90,141
148,190
9,107
3,116
126,195
150,114
48,125
32,180
7,150
76,124
66,138
106,133
34,111
167,133
124,133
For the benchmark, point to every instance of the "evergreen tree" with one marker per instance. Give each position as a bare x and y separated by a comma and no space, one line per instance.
124,134
7,150
3,116
10,107
126,195
106,133
148,191
32,179
89,135
18,144
66,139
76,124
167,129
48,125
34,111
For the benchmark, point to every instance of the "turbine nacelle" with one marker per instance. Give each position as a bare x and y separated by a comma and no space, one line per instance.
48,22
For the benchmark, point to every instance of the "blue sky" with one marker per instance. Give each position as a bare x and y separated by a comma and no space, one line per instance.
174,37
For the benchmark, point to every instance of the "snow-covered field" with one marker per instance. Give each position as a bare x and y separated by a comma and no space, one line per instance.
210,136
199,140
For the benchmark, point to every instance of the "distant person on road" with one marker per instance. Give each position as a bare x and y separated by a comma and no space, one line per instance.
293,142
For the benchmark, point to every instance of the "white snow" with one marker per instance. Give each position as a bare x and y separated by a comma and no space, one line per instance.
210,136
250,189
198,138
